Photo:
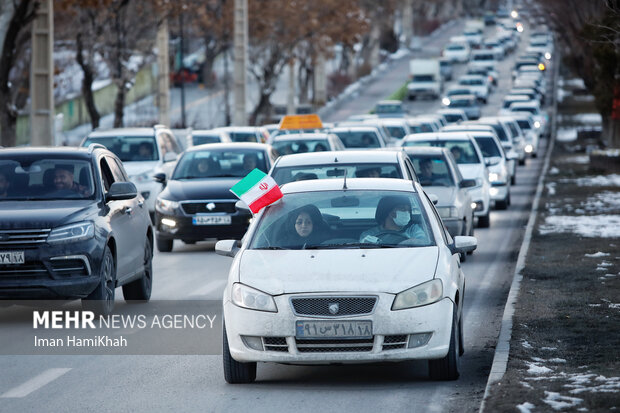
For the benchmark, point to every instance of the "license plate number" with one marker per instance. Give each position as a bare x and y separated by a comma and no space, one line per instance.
11,257
211,220
333,329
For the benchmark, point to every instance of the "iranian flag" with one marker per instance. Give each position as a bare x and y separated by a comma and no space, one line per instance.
257,190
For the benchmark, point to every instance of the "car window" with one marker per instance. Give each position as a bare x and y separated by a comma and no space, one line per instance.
117,171
344,219
396,131
283,175
359,139
447,239
106,174
488,147
168,144
243,136
432,170
36,177
128,148
219,163
288,146
463,151
202,139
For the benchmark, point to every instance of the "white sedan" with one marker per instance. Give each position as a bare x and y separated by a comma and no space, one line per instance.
376,278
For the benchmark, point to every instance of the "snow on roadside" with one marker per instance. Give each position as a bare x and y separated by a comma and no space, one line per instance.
566,135
600,180
594,226
525,407
598,254
559,402
537,369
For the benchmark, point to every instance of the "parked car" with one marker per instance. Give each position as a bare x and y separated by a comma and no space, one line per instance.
391,163
396,127
72,225
471,163
144,153
445,66
306,142
353,296
256,134
439,175
531,133
196,203
541,120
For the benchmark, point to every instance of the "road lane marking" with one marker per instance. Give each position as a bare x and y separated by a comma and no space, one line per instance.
35,383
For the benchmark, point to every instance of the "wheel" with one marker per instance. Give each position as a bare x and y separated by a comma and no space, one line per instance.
471,231
503,204
101,300
484,221
534,155
464,232
140,290
513,180
447,368
508,202
234,371
521,162
164,245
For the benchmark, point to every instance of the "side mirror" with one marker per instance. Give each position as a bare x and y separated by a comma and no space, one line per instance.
242,206
170,157
463,244
467,183
491,161
228,247
160,177
433,198
120,191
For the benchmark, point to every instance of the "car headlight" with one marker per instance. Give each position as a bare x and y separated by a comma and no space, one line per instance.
445,101
447,212
166,206
548,56
537,124
493,177
143,177
529,148
79,231
248,297
423,294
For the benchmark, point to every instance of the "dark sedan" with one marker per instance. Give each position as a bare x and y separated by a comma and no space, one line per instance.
196,203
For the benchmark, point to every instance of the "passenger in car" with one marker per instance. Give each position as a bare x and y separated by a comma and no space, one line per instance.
368,172
250,161
427,177
395,223
304,227
63,179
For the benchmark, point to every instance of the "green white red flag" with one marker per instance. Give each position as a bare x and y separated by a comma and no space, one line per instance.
257,190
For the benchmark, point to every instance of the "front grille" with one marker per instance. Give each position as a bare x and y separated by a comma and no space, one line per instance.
192,208
275,344
334,346
394,342
27,270
320,306
23,237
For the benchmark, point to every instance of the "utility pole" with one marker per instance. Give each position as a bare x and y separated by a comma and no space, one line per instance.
181,71
240,50
163,74
407,22
290,96
320,82
226,88
42,77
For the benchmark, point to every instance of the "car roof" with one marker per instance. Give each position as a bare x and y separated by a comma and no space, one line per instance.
231,146
389,102
248,129
464,127
122,132
360,128
528,104
82,152
379,184
329,157
469,97
438,136
299,136
424,150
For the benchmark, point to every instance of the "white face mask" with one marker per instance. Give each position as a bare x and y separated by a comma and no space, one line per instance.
402,218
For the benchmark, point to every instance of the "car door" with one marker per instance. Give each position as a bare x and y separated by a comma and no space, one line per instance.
120,219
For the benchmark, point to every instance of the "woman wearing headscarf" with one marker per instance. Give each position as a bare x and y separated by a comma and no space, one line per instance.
304,227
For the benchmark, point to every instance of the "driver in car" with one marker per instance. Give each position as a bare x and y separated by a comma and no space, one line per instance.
63,180
393,214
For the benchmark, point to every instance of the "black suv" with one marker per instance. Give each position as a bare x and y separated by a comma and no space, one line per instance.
72,226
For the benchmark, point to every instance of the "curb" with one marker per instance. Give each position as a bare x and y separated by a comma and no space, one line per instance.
502,350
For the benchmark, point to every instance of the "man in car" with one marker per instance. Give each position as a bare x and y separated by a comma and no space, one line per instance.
395,224
249,162
457,153
145,151
4,184
427,177
368,172
63,180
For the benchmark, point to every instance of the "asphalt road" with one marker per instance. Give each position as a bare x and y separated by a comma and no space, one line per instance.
191,383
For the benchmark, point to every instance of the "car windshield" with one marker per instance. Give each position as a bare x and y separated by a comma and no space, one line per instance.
470,82
286,174
499,130
423,78
396,131
483,57
461,103
453,117
459,92
128,148
385,108
344,219
45,178
202,139
488,147
243,136
455,47
432,170
219,163
463,151
524,124
531,110
289,146
359,139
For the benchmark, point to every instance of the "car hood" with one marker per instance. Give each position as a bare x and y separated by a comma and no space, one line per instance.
471,171
137,168
445,194
209,188
355,270
44,214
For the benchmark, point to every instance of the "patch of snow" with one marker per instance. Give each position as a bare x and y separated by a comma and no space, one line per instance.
594,226
554,171
566,135
551,188
575,83
526,345
557,360
559,402
562,94
400,53
525,407
548,348
526,385
537,369
603,202
582,159
598,254
606,264
615,306
588,118
581,383
594,305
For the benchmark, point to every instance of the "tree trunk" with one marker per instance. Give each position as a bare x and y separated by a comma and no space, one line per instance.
8,122
612,132
87,84
208,76
119,105
262,108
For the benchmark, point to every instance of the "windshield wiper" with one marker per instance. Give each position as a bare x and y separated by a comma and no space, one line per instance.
356,245
272,248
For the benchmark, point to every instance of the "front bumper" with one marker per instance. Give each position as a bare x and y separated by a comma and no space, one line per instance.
481,198
499,192
185,229
279,328
61,271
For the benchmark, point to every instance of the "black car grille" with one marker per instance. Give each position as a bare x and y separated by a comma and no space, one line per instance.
394,342
27,270
335,345
70,267
192,208
275,344
320,306
23,237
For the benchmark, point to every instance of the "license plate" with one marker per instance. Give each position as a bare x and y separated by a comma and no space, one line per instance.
211,220
333,329
11,257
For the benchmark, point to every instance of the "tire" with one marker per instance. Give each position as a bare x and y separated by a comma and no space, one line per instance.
234,371
461,340
101,300
521,162
471,232
447,368
534,155
140,290
188,242
464,232
503,204
484,221
164,245
513,180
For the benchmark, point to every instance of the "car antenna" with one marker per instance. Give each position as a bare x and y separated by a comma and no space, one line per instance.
344,185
